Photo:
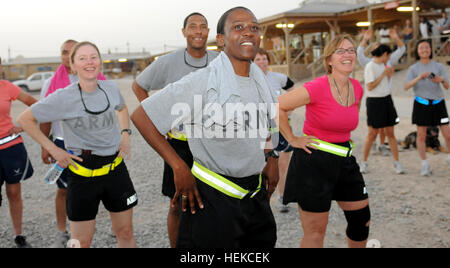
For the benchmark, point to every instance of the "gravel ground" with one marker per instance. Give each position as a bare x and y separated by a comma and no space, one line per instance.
407,210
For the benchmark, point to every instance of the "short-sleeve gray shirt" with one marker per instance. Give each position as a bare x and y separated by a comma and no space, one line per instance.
171,68
56,126
235,157
81,130
425,88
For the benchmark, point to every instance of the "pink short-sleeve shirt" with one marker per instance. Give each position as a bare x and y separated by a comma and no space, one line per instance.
326,119
8,93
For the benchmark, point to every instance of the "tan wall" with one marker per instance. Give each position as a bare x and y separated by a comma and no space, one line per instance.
298,71
21,71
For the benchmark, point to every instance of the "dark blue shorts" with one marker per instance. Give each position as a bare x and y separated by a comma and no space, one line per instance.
15,166
283,145
62,181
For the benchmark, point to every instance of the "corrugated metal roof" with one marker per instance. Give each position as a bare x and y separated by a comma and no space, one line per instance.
327,6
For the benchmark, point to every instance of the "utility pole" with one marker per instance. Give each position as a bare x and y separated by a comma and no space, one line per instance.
9,54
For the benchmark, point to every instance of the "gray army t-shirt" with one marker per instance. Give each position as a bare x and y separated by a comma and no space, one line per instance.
426,88
171,68
56,126
81,130
235,157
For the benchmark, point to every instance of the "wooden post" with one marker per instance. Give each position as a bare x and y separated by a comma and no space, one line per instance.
370,19
263,34
287,35
415,20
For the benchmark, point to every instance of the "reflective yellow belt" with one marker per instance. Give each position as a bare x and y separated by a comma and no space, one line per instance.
90,173
333,148
177,136
221,183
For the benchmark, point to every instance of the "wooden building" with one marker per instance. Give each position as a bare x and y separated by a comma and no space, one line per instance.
288,36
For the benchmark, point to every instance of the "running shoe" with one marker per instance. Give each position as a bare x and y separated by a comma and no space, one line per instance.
21,242
384,150
363,167
426,171
283,208
61,240
374,149
398,168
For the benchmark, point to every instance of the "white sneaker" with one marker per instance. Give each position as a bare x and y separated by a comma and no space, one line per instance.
398,168
61,240
374,149
363,167
426,171
384,150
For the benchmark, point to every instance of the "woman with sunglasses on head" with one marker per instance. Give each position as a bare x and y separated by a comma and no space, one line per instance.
322,167
97,171
427,78
381,113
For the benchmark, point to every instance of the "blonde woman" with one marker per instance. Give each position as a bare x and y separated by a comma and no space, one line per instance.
322,167
97,171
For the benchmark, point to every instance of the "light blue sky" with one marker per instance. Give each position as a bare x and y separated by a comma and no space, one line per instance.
36,28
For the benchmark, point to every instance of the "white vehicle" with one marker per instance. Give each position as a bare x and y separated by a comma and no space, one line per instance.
34,81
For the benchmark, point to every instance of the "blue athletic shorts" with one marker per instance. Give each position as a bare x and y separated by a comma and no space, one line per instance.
283,145
15,166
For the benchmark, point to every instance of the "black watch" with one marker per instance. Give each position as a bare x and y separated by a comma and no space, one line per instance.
127,130
273,154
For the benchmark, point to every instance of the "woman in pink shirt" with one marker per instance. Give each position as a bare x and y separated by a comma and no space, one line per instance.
15,166
322,168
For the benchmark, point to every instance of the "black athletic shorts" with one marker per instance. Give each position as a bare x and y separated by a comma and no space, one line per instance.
115,190
313,181
228,222
15,166
381,112
182,149
430,115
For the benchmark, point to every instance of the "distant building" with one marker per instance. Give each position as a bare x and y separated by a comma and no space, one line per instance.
114,65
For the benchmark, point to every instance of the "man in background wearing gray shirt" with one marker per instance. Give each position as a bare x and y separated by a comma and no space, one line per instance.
169,69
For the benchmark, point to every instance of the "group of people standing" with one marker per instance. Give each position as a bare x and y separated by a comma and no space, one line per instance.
428,78
219,183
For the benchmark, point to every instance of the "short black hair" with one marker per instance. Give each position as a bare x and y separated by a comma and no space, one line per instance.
223,19
380,50
193,14
416,52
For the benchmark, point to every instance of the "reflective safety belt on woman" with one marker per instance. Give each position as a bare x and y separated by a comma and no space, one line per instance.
90,173
222,184
7,139
333,148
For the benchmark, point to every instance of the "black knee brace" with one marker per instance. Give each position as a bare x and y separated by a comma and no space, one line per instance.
357,228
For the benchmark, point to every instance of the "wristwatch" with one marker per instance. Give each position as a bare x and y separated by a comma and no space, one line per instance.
127,130
273,154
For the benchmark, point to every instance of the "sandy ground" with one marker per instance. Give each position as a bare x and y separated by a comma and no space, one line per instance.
407,210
